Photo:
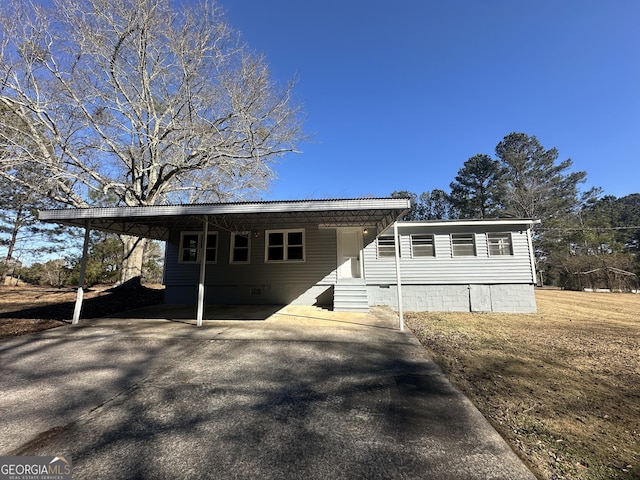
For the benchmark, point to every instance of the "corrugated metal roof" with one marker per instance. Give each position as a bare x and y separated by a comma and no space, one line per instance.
156,221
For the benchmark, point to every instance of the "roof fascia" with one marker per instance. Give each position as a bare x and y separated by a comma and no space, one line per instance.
224,209
470,223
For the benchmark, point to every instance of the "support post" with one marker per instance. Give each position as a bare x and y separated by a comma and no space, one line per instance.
532,257
203,272
83,268
396,243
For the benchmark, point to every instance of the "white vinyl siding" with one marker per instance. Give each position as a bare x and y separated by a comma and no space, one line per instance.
463,244
447,269
499,243
279,282
240,249
422,246
284,246
386,246
191,247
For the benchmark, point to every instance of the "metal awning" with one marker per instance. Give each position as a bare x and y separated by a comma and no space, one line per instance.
157,221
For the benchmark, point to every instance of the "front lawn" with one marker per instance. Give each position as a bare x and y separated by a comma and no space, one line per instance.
562,386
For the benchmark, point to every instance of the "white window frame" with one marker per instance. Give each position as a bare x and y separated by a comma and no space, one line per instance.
388,249
233,247
497,239
456,237
285,246
416,238
198,246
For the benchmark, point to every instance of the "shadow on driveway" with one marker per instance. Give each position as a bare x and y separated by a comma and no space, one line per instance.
301,393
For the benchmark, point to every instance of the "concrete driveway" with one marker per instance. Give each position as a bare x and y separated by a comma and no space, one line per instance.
297,393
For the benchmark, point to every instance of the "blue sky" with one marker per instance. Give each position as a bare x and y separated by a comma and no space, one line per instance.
400,94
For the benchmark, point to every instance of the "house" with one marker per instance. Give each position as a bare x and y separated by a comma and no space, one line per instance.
455,265
338,252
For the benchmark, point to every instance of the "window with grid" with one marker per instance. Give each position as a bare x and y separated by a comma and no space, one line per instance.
240,247
284,246
499,243
191,246
212,247
463,244
422,246
386,246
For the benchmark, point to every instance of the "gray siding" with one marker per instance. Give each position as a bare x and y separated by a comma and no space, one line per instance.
257,281
440,283
445,269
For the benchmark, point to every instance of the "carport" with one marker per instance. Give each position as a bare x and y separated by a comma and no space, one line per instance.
156,222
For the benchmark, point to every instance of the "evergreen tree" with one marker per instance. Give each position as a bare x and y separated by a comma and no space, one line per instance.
416,212
477,191
21,233
437,205
535,185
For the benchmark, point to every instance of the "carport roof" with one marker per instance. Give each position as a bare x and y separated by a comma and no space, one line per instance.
156,221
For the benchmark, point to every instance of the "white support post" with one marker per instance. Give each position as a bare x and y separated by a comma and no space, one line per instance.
396,243
83,267
203,272
532,256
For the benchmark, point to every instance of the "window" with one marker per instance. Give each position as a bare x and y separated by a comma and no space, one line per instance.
463,244
386,246
212,247
422,246
240,247
190,247
499,243
284,246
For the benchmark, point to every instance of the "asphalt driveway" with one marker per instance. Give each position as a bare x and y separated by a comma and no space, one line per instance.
298,393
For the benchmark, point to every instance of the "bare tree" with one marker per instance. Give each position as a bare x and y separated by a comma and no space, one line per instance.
137,100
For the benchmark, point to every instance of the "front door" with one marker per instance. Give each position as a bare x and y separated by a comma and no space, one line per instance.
349,253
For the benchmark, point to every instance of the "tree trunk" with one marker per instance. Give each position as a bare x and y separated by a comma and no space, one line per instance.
12,245
133,259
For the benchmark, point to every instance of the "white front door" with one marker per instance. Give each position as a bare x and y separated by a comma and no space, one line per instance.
349,253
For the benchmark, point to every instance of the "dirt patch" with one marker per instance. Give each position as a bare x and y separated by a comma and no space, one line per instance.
31,309
562,386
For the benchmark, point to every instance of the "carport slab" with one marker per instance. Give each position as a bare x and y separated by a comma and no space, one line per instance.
299,394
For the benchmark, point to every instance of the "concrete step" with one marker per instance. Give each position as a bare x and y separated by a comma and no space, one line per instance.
351,296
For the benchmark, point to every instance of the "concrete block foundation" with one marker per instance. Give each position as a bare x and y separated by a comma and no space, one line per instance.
456,298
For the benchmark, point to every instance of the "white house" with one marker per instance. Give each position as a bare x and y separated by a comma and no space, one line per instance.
455,265
339,253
